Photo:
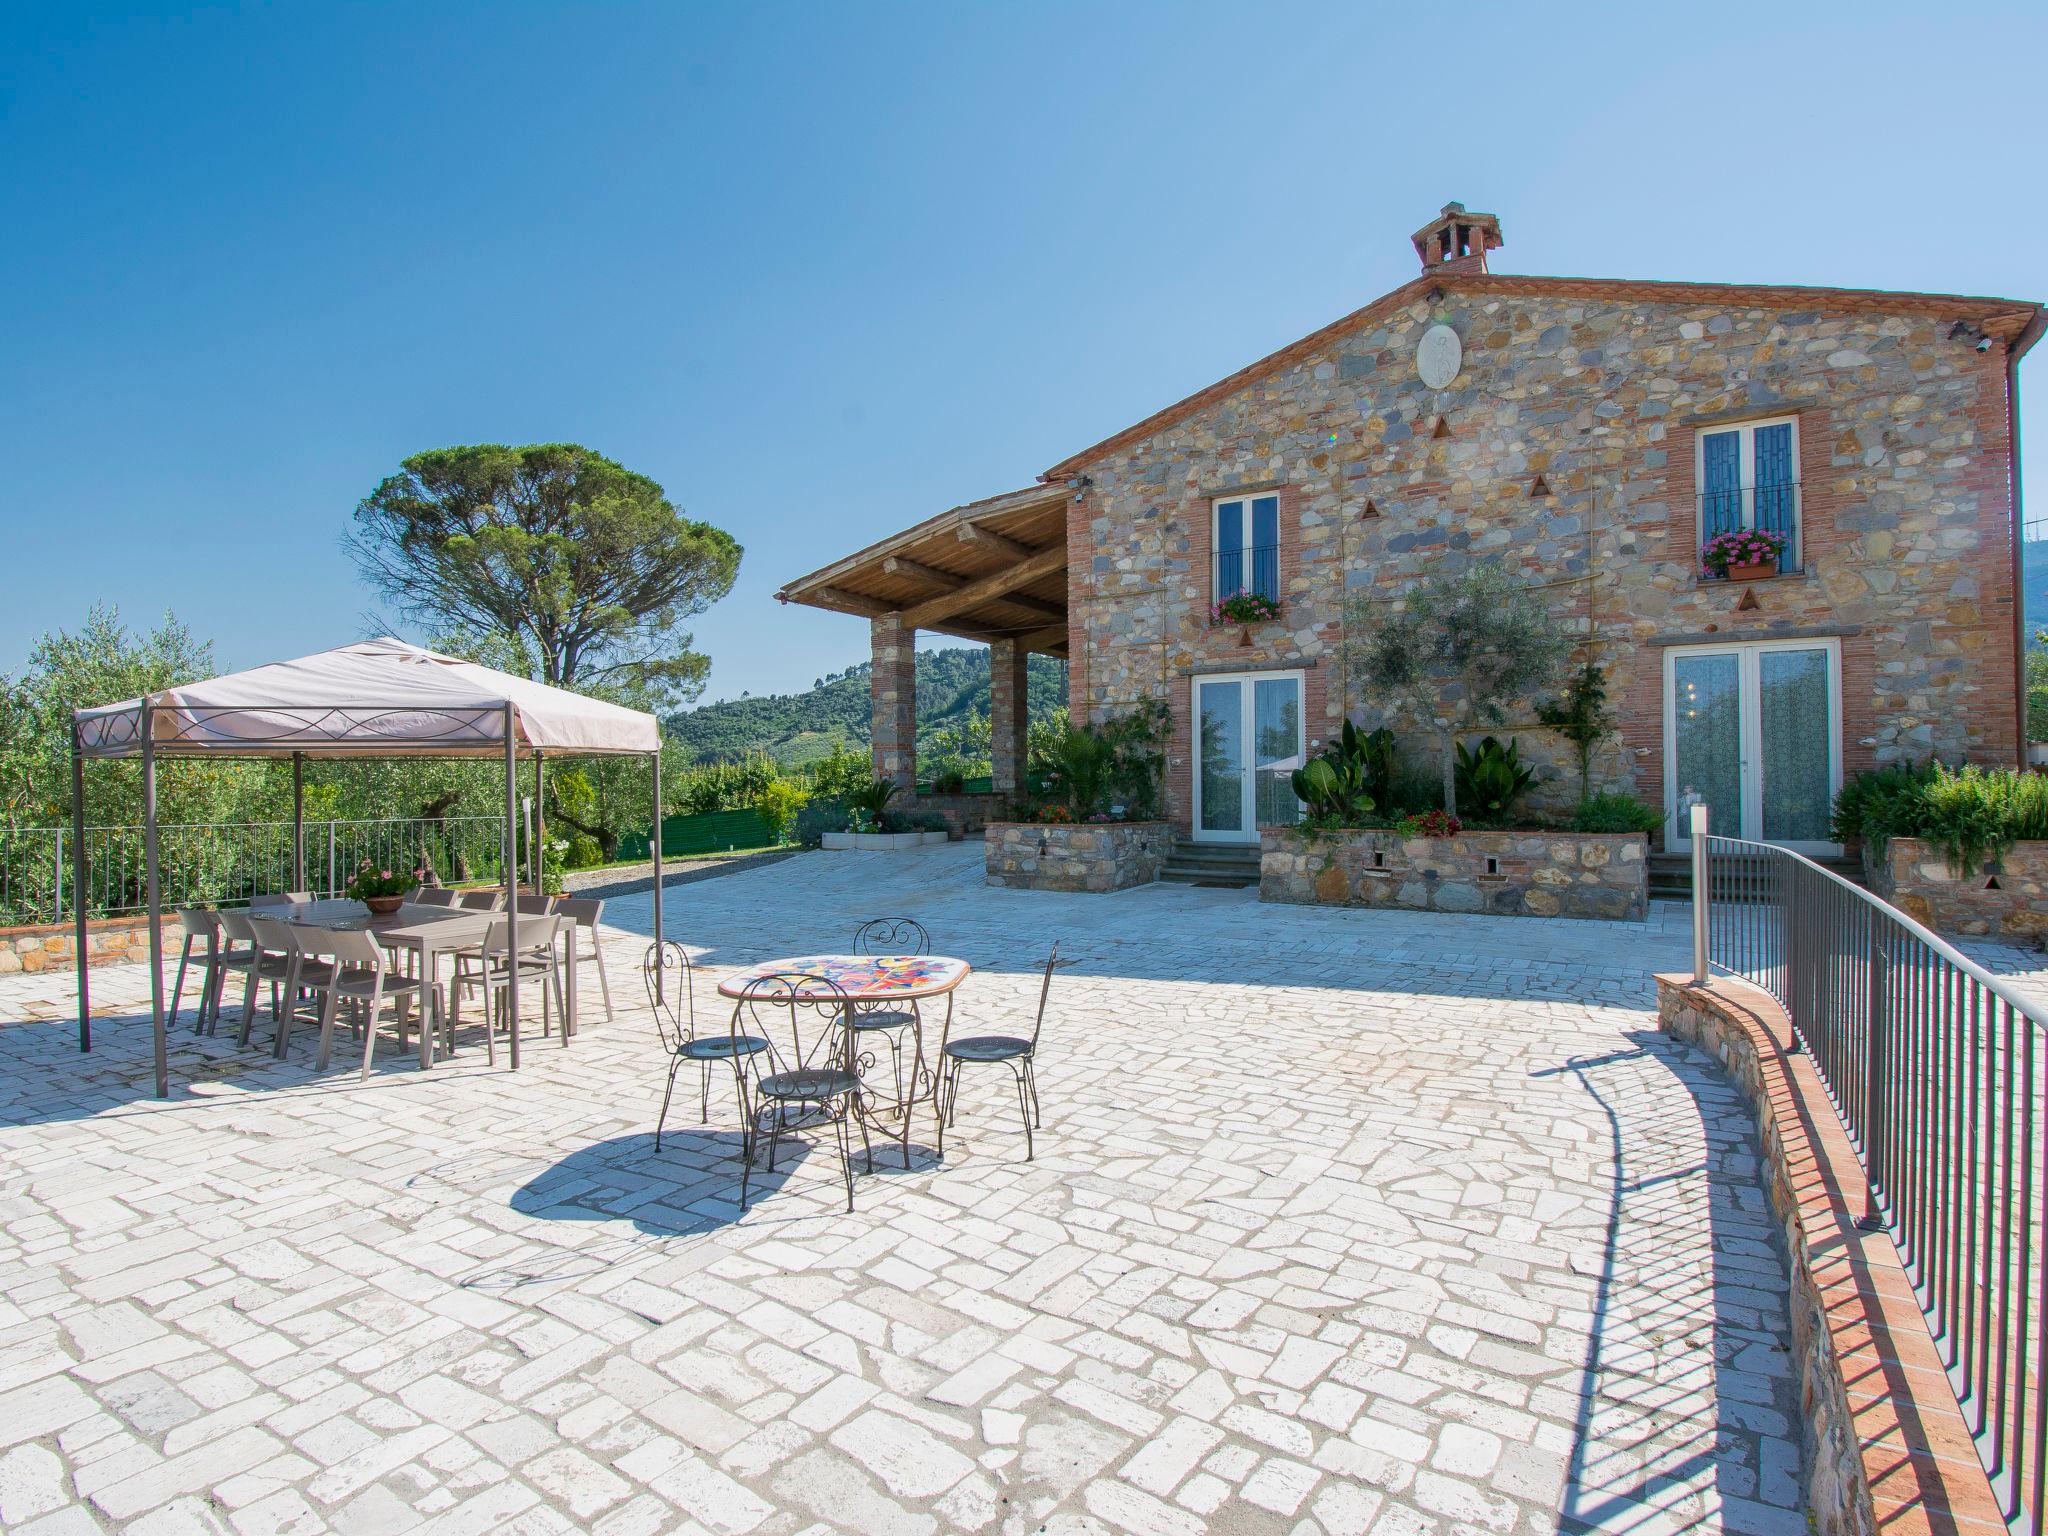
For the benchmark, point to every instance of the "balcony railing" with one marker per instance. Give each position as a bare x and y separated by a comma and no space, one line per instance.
1772,508
1937,1069
228,862
1261,561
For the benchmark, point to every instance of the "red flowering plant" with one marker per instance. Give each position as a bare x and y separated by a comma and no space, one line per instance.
1243,607
1429,824
371,881
1745,546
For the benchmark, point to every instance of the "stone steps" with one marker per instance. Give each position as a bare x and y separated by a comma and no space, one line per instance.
1671,874
1231,866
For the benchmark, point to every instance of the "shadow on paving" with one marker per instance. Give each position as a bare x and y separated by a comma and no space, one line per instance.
1670,1398
692,1185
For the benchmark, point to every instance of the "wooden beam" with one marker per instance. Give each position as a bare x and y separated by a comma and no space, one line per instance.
896,565
997,543
1037,605
1044,563
1039,639
851,602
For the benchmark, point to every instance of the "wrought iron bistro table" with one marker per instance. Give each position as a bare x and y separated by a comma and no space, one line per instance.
863,980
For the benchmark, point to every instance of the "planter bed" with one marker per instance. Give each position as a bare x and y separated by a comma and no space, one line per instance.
1082,856
1523,874
882,841
2006,896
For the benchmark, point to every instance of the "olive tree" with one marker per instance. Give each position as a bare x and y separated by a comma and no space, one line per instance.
1456,652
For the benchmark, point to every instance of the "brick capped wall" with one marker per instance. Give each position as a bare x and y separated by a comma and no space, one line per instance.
1906,515
892,697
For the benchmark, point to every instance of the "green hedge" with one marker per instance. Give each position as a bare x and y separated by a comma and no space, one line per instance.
713,832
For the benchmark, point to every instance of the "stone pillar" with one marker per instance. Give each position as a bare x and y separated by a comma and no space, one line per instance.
892,691
1009,683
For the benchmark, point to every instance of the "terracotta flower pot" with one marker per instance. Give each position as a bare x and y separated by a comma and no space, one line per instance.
1753,572
383,906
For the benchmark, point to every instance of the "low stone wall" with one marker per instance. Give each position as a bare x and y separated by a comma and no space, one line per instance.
1887,1449
1091,856
109,941
2006,896
965,814
1528,874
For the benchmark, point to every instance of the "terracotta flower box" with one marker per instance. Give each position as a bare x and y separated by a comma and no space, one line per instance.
1753,572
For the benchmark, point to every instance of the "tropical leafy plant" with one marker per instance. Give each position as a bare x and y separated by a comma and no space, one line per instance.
1491,779
1581,716
867,802
1335,787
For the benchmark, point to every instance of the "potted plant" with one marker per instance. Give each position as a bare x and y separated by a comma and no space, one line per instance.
1244,609
380,890
1745,554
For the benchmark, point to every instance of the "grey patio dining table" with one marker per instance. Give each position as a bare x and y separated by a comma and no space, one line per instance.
429,933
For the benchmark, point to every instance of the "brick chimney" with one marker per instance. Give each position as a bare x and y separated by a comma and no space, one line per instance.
1457,241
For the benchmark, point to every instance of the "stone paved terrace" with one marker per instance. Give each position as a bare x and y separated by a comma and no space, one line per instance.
1340,1221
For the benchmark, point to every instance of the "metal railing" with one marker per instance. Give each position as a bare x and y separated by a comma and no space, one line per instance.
1936,1068
1771,508
1261,561
227,862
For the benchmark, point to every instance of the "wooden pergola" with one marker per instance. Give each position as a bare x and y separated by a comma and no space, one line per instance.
994,571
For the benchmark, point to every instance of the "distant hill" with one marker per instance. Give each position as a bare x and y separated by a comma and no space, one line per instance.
796,728
2034,584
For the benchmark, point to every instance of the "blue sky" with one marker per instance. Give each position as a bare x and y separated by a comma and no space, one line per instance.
826,270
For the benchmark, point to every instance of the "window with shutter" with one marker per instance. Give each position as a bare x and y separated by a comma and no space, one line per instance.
1748,477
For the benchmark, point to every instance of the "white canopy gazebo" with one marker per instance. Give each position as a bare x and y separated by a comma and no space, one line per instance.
381,698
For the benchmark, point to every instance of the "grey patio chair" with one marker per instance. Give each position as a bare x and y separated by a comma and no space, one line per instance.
487,900
674,1005
584,913
499,969
531,905
1017,1052
889,936
282,960
238,956
201,926
280,898
359,973
434,896
812,1080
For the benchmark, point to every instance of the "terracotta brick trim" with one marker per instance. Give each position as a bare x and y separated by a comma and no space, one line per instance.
1887,1447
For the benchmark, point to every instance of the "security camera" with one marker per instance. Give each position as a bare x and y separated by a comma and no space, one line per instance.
1983,343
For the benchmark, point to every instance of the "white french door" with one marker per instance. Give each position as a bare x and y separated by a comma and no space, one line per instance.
1756,731
1248,742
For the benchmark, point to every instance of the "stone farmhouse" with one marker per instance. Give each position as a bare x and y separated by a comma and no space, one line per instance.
1590,434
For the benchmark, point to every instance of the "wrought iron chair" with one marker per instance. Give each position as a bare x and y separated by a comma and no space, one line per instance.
889,936
672,995
812,1081
1017,1052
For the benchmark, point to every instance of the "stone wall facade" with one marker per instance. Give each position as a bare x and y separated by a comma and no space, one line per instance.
892,700
2006,896
1565,448
1090,856
109,941
1523,874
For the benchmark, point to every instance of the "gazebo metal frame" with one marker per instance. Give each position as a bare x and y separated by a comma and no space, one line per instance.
482,730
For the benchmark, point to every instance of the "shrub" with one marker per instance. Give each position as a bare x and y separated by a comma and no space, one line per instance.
1969,813
778,802
1114,768
1610,812
1335,787
817,818
1429,824
583,852
1581,716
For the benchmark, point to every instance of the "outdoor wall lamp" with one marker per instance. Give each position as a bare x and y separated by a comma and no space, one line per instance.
1964,330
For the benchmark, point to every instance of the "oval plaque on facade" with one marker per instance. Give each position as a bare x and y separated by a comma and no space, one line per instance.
1438,356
